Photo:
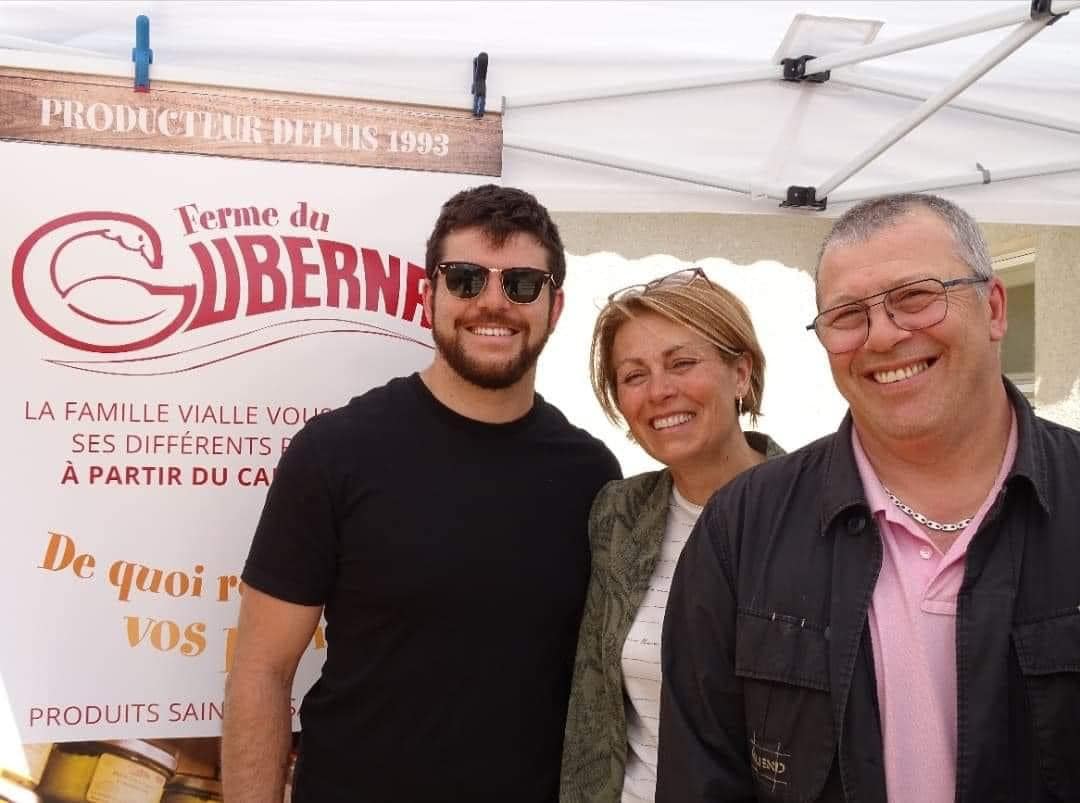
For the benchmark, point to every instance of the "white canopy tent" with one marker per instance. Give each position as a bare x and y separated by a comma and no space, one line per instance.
705,143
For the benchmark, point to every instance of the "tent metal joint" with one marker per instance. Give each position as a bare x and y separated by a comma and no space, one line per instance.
795,70
1044,9
799,197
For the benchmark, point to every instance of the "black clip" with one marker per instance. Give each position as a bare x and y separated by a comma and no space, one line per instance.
479,84
795,70
803,198
1041,9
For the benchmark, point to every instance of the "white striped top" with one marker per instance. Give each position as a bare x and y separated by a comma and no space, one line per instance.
641,657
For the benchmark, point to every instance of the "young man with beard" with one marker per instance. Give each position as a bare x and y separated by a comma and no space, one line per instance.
890,613
439,524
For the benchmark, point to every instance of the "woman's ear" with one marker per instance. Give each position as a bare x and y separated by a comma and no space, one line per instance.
744,367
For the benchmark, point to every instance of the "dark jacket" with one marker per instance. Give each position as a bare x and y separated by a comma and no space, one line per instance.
626,530
769,691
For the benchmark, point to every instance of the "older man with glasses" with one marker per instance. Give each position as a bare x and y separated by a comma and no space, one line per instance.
440,524
892,612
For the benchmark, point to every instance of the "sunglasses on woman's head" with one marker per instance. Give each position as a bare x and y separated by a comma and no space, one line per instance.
519,285
679,277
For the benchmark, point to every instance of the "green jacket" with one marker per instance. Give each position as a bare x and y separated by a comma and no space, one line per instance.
626,529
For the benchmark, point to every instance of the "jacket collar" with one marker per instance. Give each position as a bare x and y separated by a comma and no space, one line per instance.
1031,465
843,487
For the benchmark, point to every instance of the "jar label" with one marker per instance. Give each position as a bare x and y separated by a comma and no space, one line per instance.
117,780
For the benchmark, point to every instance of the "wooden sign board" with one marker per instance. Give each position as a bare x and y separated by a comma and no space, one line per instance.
106,112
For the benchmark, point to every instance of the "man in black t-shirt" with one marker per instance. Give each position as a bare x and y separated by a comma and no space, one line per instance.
439,523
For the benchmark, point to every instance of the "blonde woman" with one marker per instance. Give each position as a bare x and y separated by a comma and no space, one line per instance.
678,361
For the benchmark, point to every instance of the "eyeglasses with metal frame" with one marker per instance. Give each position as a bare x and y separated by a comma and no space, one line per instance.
520,285
910,306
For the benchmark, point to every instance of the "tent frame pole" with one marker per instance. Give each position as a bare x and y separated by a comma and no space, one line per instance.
975,106
768,72
603,159
970,179
996,54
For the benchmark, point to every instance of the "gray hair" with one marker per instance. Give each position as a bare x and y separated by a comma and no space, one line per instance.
867,218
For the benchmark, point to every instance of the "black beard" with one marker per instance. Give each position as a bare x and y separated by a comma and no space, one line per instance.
486,376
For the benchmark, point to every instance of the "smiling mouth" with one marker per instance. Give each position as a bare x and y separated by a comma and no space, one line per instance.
491,331
669,421
900,374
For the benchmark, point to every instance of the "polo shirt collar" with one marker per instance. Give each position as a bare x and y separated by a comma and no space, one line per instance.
842,489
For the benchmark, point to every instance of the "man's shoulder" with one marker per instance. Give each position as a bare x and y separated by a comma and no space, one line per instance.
1051,463
776,475
556,428
370,413
781,495
1059,437
394,393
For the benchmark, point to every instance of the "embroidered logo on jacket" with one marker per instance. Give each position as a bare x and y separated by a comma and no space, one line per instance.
768,762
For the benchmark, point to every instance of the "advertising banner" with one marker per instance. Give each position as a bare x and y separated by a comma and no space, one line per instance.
170,321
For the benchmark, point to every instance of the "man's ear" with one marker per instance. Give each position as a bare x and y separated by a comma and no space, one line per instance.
999,321
427,293
557,301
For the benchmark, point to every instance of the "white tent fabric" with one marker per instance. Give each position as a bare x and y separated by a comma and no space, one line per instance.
766,134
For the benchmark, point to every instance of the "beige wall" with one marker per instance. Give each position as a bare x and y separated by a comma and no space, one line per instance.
743,239
794,239
1057,323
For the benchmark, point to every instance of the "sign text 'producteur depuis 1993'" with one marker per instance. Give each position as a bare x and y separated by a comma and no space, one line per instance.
66,108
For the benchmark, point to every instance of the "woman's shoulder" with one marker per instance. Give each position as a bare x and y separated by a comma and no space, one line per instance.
633,491
621,504
760,442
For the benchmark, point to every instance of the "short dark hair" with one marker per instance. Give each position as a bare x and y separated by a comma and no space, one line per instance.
500,212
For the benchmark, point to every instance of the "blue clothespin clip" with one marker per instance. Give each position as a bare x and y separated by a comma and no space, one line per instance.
479,84
141,54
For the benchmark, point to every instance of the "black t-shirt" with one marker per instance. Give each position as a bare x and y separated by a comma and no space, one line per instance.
451,557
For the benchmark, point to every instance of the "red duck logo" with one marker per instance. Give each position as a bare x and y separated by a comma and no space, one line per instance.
98,263
98,282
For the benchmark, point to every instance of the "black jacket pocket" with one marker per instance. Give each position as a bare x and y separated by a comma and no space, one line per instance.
783,662
1049,654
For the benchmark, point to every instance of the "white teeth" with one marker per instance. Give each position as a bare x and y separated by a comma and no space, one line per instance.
888,377
491,331
671,420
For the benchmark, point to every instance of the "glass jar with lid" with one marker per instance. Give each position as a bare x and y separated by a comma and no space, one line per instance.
129,771
192,789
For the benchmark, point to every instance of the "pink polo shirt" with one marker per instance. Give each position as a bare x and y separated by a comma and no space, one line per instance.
913,631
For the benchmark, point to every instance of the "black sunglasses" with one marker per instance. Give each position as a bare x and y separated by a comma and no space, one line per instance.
519,285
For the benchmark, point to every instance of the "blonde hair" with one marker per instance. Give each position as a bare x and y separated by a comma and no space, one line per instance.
701,306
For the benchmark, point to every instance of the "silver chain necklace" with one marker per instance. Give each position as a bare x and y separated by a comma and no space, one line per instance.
919,517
